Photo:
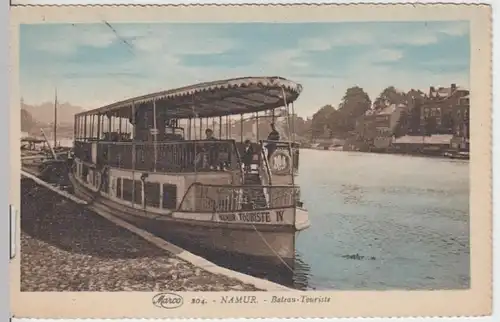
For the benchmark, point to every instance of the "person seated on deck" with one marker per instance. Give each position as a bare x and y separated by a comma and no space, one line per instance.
247,157
209,134
273,136
213,154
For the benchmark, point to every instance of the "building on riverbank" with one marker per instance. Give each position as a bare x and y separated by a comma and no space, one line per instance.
409,144
377,127
443,111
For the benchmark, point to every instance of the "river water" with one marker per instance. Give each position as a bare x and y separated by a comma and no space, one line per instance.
383,221
378,221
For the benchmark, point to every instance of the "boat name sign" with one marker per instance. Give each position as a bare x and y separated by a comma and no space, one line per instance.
260,217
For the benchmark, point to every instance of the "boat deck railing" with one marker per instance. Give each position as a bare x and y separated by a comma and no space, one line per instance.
178,156
225,198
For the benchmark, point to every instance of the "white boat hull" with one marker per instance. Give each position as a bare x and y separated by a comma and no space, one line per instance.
272,244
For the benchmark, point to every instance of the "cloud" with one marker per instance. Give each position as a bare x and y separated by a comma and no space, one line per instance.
455,29
66,41
91,66
382,55
367,37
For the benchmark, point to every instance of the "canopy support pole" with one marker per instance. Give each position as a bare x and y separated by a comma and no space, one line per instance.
257,125
98,126
155,136
227,126
189,129
126,127
85,127
92,126
241,128
120,128
133,139
289,143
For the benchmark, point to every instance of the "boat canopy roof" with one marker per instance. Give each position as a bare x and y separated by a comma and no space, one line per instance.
211,99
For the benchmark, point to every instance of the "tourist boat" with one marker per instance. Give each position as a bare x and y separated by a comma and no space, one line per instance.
146,160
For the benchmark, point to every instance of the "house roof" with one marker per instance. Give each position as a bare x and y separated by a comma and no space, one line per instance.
388,110
434,139
444,92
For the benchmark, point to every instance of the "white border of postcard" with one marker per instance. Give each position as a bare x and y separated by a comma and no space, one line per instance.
475,301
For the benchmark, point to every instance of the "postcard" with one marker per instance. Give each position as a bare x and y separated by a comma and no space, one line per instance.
251,161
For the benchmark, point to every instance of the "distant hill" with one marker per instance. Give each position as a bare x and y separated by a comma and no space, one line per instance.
27,121
44,113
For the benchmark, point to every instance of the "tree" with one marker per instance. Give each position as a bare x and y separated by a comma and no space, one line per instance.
354,104
415,100
379,104
389,96
320,120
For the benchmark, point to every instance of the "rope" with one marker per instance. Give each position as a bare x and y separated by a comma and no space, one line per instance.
269,246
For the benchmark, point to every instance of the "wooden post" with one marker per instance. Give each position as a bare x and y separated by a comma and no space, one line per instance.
241,128
120,128
85,127
227,126
102,125
155,135
220,127
133,138
75,128
92,128
108,115
99,126
257,122
55,119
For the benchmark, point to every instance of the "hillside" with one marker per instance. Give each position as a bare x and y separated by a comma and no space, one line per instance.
27,121
44,113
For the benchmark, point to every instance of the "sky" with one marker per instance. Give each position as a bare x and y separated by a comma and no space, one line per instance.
95,64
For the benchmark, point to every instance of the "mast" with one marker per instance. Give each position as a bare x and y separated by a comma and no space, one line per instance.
55,118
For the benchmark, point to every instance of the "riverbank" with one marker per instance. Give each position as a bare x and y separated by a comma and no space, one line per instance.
444,154
65,247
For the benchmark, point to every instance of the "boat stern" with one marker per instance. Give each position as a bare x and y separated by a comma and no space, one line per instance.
301,219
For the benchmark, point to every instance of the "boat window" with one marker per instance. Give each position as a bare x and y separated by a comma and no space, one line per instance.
152,194
169,196
127,189
138,192
119,188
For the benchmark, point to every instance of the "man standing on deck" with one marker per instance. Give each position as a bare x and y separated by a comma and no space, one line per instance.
247,156
273,136
212,148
